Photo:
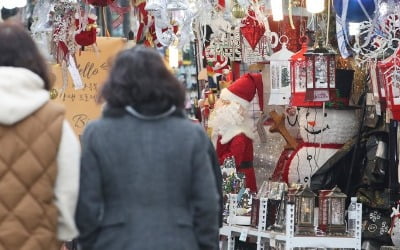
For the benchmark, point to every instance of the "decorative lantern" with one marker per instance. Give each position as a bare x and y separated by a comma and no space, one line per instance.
280,75
305,204
323,210
321,75
390,77
336,208
298,78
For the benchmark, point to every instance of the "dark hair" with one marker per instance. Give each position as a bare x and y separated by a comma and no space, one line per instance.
17,49
140,78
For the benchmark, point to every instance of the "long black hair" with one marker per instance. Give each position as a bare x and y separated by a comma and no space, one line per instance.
17,49
140,78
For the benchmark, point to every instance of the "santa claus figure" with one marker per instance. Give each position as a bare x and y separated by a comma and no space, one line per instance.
234,128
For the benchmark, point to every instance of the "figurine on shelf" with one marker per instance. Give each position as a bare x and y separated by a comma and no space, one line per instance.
234,128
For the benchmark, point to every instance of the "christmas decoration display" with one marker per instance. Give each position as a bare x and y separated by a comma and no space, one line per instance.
86,36
280,75
305,204
252,30
42,28
395,226
305,112
323,134
64,30
390,76
321,74
114,7
336,211
234,129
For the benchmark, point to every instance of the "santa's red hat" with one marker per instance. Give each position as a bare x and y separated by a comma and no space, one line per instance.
243,90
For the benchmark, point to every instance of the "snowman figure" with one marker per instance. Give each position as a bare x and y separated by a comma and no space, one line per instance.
395,227
323,133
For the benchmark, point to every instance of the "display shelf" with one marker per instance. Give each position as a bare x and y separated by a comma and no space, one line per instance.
288,238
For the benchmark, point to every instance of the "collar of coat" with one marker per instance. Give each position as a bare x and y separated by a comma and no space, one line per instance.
110,111
135,113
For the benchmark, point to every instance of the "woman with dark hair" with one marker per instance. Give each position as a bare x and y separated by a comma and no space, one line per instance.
39,152
146,176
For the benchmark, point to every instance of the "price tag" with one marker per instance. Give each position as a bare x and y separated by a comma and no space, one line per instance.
243,234
76,77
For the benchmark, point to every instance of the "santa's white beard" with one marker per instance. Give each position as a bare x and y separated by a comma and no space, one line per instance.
230,120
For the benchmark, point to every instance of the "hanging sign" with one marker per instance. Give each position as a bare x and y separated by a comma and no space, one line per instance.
93,67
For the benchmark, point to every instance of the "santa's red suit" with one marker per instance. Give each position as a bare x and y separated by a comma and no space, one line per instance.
241,148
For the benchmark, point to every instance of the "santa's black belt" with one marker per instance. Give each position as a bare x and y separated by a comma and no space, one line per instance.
246,164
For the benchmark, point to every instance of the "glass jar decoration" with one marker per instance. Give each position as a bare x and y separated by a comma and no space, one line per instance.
280,74
298,77
321,74
390,77
336,212
305,204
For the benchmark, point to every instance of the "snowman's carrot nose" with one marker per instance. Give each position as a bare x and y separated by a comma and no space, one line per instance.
311,123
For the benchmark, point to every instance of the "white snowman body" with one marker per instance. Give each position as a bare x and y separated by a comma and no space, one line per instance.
395,227
324,132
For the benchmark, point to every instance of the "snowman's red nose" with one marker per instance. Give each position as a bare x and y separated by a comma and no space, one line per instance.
311,123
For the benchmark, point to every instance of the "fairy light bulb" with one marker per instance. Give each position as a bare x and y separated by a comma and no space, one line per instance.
277,10
315,6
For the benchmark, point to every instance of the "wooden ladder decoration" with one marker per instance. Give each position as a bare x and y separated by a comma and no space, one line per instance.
279,126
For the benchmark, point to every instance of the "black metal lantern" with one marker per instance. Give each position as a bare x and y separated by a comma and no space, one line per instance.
336,211
305,204
321,74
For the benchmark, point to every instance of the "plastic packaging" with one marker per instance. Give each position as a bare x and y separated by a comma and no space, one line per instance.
351,217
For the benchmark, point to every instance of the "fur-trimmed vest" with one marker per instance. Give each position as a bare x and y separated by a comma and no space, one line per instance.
28,170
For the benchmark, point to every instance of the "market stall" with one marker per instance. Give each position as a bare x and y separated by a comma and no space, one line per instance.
301,99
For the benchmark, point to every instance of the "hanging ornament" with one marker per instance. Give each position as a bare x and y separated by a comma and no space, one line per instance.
238,11
114,7
390,72
155,5
86,35
41,29
252,30
64,30
280,74
174,5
